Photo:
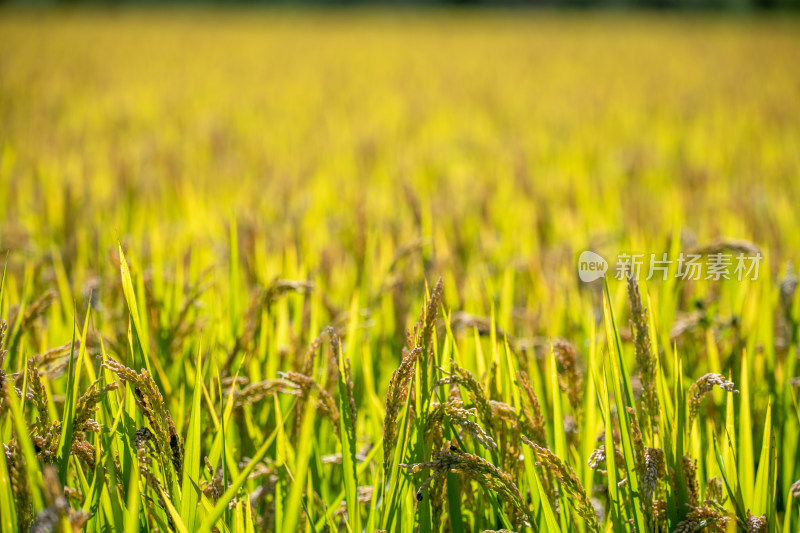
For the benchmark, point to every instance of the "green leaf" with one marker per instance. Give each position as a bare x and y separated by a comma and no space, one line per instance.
348,432
191,465
70,400
300,466
222,504
8,517
139,347
623,395
180,527
746,456
132,508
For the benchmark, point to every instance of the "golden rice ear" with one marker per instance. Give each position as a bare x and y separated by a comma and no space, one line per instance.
570,376
151,403
450,459
395,400
645,358
568,481
326,402
532,410
700,389
3,351
705,518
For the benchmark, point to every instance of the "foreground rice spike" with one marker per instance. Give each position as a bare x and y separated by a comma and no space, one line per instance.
423,330
455,412
215,488
149,400
87,404
419,344
256,392
305,386
20,489
395,400
796,489
690,473
654,470
3,352
704,518
569,482
599,457
640,455
313,348
146,449
35,310
308,371
437,493
533,419
451,459
463,377
645,359
39,394
58,507
570,378
756,524
348,378
701,388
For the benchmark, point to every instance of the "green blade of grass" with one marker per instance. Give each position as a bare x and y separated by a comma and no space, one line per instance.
559,435
348,433
8,515
746,464
180,527
613,475
218,510
623,396
395,480
675,459
32,468
300,467
734,494
191,465
139,348
132,507
70,400
761,491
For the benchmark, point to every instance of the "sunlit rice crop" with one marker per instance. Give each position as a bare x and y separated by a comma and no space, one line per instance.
300,271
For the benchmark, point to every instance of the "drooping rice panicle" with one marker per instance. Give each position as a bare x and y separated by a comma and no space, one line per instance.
451,459
645,359
568,481
533,419
395,399
703,519
306,385
293,232
756,524
570,377
149,399
704,385
463,377
456,414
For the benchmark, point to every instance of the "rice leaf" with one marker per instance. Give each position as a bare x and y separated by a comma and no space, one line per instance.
74,373
191,465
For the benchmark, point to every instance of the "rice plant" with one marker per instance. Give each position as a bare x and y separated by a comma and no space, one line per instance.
241,292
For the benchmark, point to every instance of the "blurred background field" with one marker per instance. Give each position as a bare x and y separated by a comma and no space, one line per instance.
365,154
504,135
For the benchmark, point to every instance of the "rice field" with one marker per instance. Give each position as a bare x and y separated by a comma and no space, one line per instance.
323,271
